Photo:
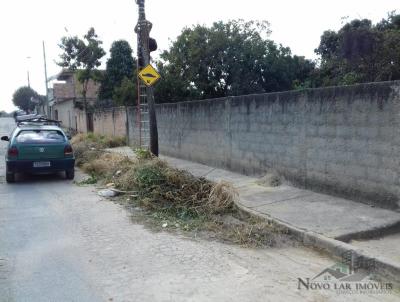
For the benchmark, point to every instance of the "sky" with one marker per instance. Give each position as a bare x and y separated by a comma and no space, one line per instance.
25,24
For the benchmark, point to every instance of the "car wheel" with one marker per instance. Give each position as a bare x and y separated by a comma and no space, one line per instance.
70,174
10,177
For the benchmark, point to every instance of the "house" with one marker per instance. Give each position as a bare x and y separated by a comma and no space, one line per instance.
66,101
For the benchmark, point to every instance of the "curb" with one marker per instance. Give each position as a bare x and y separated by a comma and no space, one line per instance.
393,228
385,269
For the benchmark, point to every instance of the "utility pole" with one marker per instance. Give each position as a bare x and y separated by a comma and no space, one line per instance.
145,94
46,82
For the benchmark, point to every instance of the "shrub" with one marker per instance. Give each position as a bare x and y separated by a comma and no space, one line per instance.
142,153
149,175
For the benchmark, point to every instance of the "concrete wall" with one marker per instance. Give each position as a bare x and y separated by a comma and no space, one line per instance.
342,140
110,121
66,113
133,128
80,120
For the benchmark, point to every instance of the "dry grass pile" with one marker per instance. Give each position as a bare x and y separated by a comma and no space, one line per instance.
99,141
80,137
106,165
103,141
88,147
271,179
164,188
84,153
175,197
222,196
159,186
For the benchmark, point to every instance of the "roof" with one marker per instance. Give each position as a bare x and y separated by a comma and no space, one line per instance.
72,88
64,74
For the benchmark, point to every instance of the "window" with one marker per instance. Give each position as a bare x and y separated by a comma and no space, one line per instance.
40,137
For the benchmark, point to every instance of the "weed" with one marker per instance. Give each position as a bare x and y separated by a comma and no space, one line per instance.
148,176
142,153
91,180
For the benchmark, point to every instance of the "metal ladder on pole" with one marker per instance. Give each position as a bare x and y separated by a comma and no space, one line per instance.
143,117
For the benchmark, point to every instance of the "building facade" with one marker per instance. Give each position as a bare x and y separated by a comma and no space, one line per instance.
66,101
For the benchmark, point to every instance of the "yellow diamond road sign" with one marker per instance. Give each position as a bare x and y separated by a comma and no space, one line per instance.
149,75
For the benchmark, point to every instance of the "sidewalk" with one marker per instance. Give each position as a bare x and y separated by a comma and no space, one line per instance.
333,217
321,220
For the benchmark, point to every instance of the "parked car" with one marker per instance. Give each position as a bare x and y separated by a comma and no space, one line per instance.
38,146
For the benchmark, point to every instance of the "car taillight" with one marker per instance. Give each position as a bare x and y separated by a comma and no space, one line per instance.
68,151
13,152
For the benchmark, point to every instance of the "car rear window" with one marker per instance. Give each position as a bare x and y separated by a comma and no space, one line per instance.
40,137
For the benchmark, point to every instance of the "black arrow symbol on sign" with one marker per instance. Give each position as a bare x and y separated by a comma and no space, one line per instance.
148,75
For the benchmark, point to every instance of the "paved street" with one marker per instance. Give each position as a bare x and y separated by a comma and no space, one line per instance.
61,242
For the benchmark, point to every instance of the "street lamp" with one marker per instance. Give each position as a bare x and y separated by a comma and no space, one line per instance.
29,82
46,82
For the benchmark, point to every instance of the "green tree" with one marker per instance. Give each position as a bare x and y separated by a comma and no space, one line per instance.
126,93
4,114
226,59
360,52
84,56
120,65
22,98
390,54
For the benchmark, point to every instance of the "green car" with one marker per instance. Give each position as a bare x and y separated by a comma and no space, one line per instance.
38,146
